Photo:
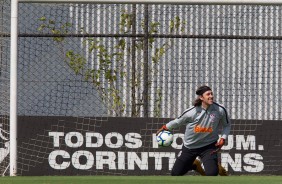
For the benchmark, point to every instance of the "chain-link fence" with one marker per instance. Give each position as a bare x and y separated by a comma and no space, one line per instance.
139,60
147,60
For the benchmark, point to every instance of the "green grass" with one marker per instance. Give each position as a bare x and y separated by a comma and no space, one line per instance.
141,180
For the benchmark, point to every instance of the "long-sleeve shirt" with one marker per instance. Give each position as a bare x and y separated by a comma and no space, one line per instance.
202,125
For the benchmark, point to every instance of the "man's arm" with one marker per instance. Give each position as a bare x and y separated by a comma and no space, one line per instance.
185,118
226,124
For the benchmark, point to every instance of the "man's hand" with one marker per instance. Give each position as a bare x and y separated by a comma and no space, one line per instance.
161,129
219,145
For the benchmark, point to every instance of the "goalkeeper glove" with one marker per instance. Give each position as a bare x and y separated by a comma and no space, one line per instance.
162,128
219,145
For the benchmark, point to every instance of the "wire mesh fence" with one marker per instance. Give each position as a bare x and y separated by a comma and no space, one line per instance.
143,60
147,60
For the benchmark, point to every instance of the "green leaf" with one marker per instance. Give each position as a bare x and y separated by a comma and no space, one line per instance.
68,24
42,18
121,44
69,54
54,31
51,21
41,27
58,39
171,26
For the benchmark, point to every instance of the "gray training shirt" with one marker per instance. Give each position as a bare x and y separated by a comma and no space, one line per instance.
202,126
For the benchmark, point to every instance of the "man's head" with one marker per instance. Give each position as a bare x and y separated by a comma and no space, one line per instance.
205,94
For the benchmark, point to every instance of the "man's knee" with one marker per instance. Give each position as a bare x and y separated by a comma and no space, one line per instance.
212,172
174,172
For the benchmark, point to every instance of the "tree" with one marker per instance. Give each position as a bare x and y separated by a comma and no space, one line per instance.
109,72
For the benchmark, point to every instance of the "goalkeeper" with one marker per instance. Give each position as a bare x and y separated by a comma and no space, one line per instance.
203,122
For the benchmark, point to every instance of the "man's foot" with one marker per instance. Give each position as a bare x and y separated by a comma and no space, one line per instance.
198,167
222,171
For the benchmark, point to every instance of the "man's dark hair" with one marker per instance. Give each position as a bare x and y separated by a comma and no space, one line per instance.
200,91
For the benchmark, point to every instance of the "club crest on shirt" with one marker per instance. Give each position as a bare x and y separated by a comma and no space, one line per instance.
212,117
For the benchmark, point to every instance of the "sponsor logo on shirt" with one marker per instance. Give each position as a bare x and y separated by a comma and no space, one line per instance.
199,129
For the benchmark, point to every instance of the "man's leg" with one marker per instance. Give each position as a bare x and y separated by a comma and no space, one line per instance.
183,163
210,160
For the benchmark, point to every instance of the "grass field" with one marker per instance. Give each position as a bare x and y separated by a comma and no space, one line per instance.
141,180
